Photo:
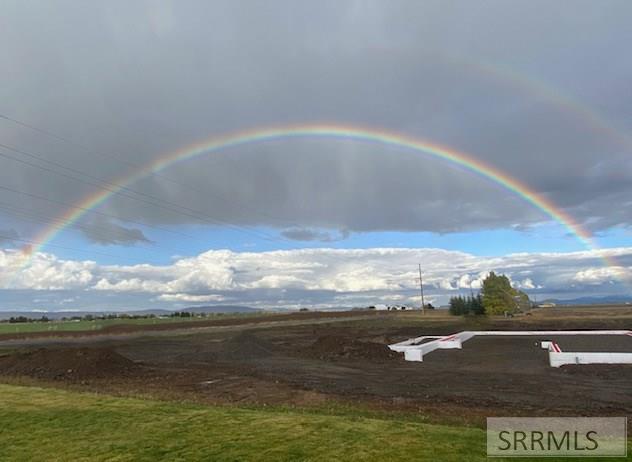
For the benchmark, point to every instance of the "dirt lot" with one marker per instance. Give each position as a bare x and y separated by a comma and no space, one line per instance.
347,361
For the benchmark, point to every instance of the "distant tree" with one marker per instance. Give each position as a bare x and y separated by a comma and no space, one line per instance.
304,309
18,319
499,297
457,306
429,306
470,305
524,303
181,314
475,305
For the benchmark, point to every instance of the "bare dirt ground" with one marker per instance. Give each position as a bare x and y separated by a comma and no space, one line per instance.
345,359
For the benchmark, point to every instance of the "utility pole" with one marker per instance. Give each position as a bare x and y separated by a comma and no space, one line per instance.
421,291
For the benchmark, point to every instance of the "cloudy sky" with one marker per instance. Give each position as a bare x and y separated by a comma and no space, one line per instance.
90,92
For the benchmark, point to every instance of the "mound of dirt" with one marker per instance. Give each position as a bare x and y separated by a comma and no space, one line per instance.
244,347
67,363
334,347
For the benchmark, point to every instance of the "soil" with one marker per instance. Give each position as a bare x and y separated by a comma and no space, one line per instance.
334,347
68,363
245,346
348,361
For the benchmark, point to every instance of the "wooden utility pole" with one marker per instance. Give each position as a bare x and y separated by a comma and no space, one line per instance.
421,291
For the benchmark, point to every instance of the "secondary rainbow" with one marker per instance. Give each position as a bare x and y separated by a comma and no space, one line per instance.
320,131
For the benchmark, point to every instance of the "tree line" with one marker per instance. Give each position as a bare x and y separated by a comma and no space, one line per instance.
102,317
497,296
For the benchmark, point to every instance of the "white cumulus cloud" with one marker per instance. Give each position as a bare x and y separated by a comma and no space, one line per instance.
318,277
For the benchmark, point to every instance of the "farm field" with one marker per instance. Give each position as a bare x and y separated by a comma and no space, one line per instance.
297,376
55,326
99,327
80,325
60,328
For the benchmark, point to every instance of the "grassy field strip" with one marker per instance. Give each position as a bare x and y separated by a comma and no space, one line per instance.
98,324
41,341
54,425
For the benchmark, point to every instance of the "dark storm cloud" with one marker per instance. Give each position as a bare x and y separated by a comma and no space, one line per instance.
303,234
8,236
106,232
132,81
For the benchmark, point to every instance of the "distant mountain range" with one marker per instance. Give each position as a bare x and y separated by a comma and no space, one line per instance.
221,309
231,309
69,314
607,300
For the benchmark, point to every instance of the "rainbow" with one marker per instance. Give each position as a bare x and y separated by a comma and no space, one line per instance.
327,131
522,82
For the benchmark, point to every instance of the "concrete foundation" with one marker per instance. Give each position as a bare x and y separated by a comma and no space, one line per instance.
416,348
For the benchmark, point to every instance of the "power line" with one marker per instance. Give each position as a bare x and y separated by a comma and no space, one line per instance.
96,212
103,233
73,249
39,218
104,214
117,188
114,189
126,161
421,290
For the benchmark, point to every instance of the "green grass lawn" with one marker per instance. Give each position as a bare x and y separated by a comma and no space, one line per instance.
38,424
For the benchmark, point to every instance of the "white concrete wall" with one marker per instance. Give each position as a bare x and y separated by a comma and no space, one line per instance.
410,343
560,359
550,332
414,352
413,355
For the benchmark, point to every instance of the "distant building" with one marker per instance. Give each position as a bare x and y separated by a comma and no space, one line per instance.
382,307
547,305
